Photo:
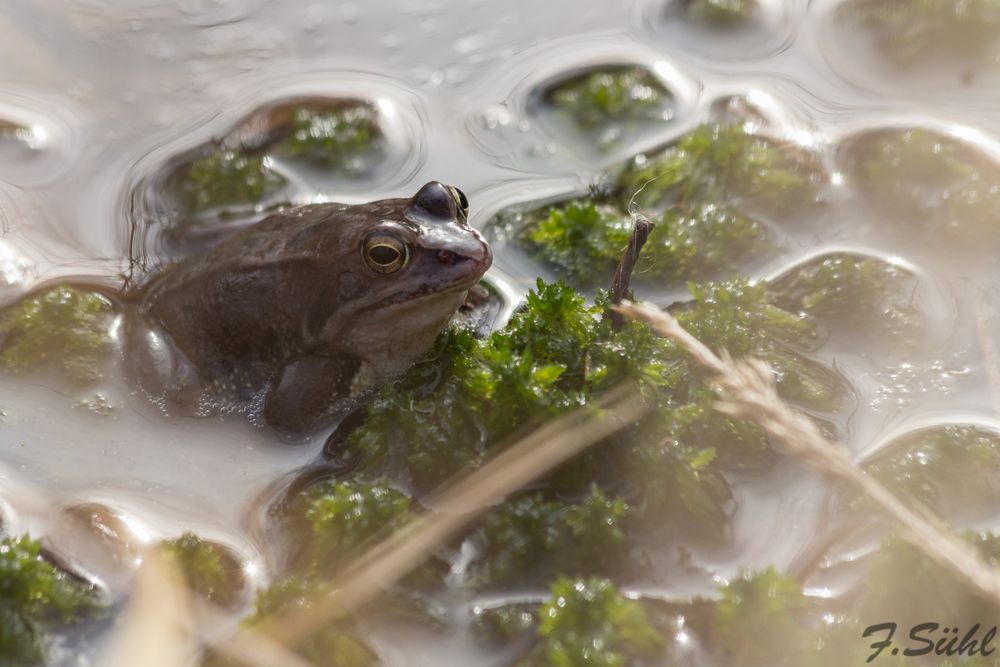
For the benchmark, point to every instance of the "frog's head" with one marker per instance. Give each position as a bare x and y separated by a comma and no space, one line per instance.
414,260
427,248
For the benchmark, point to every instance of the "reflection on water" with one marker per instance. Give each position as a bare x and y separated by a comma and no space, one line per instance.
110,110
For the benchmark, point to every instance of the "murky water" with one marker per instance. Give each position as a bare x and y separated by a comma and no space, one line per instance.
103,97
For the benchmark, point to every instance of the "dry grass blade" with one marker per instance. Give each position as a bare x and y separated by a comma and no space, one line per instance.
746,389
458,504
152,631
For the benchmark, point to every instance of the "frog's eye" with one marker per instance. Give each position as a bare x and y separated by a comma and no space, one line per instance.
460,199
385,254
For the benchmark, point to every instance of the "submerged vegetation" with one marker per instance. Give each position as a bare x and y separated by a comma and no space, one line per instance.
588,622
706,193
951,469
852,292
913,32
259,164
933,186
608,104
344,140
208,570
63,327
724,162
719,13
35,598
227,179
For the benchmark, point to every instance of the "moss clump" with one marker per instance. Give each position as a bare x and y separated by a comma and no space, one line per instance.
952,469
344,515
552,357
719,163
759,618
531,539
939,186
34,597
224,179
698,191
337,646
505,624
610,101
719,13
344,140
910,32
62,326
207,569
583,241
588,622
853,292
738,316
558,353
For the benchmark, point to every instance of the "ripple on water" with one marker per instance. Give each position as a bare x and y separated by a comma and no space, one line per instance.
35,149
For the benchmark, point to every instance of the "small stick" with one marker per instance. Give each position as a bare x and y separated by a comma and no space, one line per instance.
623,274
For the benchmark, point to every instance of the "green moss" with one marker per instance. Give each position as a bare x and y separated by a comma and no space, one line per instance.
504,624
583,241
226,179
609,102
909,32
738,316
723,163
680,482
759,619
552,357
208,570
34,598
339,649
336,646
935,184
952,469
706,241
589,623
719,13
345,515
558,353
853,292
531,539
345,140
61,326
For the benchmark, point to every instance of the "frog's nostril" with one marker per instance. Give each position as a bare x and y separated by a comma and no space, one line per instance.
446,257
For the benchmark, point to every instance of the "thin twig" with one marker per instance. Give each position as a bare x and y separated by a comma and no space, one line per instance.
746,389
623,274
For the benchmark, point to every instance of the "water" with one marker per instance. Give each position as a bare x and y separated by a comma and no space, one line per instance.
102,95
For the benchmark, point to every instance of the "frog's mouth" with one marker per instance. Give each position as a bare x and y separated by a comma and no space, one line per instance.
423,293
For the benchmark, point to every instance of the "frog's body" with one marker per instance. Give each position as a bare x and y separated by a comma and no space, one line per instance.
312,304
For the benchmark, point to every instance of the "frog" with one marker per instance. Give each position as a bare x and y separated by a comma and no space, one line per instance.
309,309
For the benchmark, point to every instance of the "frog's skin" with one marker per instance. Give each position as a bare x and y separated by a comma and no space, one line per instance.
293,308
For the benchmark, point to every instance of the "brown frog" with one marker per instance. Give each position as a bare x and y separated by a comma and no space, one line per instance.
308,306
